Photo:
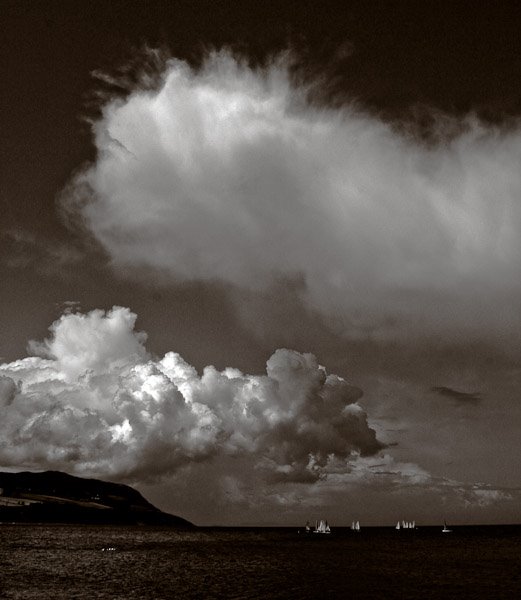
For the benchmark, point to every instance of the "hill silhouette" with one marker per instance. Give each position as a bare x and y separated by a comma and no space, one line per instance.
56,497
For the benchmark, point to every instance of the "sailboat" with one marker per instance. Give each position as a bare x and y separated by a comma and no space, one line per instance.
322,527
445,528
355,525
406,525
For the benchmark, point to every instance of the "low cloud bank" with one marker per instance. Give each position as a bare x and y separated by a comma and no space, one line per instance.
92,400
229,173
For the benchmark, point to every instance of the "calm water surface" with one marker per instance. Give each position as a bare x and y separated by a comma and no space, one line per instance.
68,562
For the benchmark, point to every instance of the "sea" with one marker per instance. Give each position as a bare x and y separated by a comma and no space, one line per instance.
138,562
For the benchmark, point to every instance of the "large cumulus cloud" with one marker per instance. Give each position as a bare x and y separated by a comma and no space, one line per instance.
229,173
92,400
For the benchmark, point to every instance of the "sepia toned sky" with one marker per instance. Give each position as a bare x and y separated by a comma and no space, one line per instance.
262,263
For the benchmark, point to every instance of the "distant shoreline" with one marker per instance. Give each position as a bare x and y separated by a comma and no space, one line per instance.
56,497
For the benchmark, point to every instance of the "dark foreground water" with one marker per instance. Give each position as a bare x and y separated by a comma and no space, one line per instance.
67,562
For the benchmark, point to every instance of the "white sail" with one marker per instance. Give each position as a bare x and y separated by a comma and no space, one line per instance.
358,525
398,525
322,527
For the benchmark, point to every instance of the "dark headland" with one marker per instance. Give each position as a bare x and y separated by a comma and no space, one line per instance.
55,497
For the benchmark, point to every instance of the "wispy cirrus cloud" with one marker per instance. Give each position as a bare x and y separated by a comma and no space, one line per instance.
457,396
25,249
230,173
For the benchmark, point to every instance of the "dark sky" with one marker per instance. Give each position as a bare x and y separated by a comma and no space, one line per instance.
373,226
